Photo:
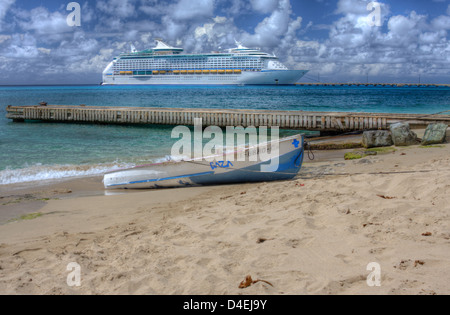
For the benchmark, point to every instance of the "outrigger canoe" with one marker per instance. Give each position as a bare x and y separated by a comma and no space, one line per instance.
242,165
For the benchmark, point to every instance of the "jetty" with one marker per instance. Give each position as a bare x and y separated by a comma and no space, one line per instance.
297,120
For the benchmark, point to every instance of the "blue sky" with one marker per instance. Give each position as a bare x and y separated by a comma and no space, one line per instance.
331,38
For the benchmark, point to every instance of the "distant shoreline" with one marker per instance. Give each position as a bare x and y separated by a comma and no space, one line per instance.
302,84
359,84
46,85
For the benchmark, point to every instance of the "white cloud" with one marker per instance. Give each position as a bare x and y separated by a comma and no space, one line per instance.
153,8
193,9
96,63
214,34
22,46
236,7
117,8
270,31
441,23
45,50
406,44
355,7
264,6
4,7
206,29
172,29
79,46
4,38
411,44
217,32
402,26
44,22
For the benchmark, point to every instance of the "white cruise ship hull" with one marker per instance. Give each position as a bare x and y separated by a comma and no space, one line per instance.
265,77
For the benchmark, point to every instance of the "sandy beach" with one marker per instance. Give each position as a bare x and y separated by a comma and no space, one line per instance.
313,235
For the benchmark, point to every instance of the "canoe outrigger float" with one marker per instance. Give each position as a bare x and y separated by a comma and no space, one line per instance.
242,165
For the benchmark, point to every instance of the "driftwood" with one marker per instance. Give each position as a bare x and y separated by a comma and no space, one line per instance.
249,281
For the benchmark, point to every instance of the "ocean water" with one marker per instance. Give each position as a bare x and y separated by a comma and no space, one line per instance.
40,151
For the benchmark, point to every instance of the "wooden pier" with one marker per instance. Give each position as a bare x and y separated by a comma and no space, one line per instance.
313,121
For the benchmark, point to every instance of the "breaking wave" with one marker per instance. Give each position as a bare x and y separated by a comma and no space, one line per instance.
41,172
44,173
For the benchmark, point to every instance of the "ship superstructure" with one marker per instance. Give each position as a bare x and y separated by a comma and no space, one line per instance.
165,64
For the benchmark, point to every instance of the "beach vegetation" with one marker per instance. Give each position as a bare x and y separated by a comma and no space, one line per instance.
26,217
353,156
432,146
31,216
26,198
335,146
19,200
382,150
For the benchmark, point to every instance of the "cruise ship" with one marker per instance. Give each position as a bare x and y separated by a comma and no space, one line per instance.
167,65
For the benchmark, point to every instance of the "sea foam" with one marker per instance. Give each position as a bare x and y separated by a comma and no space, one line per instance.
44,173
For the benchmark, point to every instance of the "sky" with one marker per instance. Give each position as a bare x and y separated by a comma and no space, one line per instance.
336,40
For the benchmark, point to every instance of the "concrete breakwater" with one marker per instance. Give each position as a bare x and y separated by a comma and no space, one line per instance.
301,120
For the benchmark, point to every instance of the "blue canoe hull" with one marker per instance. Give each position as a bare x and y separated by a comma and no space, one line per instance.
290,165
284,166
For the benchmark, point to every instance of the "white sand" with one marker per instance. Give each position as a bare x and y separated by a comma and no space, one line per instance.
321,231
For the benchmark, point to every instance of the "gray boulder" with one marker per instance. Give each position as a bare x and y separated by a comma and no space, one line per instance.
402,135
434,134
377,138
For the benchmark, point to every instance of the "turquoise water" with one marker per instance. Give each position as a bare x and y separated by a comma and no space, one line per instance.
38,151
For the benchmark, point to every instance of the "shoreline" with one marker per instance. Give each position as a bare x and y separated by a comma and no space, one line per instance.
322,146
325,148
312,235
34,194
21,199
